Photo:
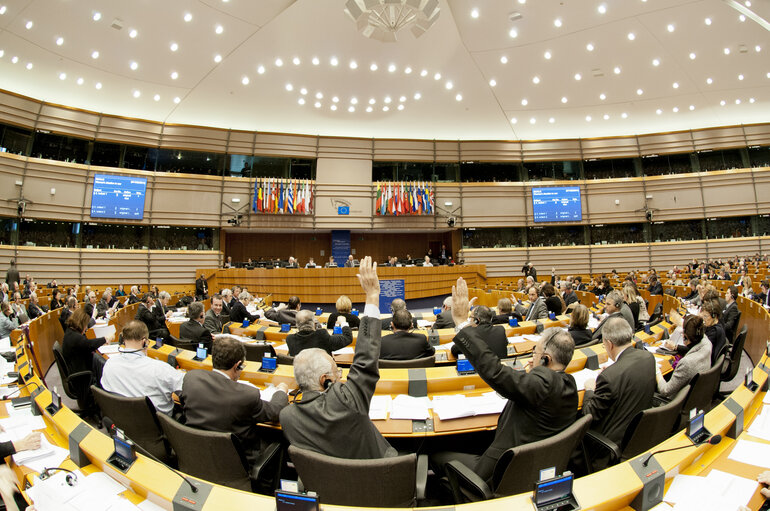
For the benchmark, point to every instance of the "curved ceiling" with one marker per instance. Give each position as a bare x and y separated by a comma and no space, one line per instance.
562,69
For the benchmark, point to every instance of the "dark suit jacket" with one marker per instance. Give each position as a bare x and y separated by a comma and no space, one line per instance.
34,311
541,403
149,318
352,319
132,299
504,319
444,320
571,298
622,390
63,317
387,323
214,402
11,276
317,422
402,345
656,289
318,339
282,316
495,338
238,313
212,322
201,288
195,332
729,320
716,334
580,336
624,312
78,350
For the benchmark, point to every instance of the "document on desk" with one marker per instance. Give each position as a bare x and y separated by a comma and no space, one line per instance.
97,492
751,453
347,350
410,408
684,487
379,407
19,426
445,347
424,323
582,376
281,346
593,323
5,345
760,427
47,455
108,349
458,406
718,491
104,330
766,399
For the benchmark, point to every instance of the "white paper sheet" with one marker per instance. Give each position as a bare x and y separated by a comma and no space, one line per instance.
751,453
379,407
760,427
584,375
410,408
347,350
593,323
106,331
5,344
684,487
737,490
424,323
109,348
47,455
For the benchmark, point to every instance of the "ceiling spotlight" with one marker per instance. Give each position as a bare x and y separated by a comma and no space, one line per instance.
156,97
514,120
557,23
742,18
372,101
449,85
709,81
174,75
692,56
408,70
616,70
335,99
14,59
80,81
564,99
692,107
218,59
29,66
513,33
2,9
751,100
602,8
260,69
658,111
670,27
631,36
492,82
656,62
29,25
385,108
353,64
722,103
424,73
245,80
524,102
134,65
400,107
578,76
402,99
727,51
437,76
757,48
551,120
187,17
639,92
177,100
133,33
96,16
219,29
369,109
59,41
279,62
351,109
547,55
675,85
737,101
588,118
624,115
606,117
295,61
333,107
333,61
532,120
740,77
503,59
174,47
417,95
137,93
319,95
474,13
387,99
289,87
98,85
536,80
707,21
301,101
392,69
315,61
94,54
602,96
373,67
459,97
590,47
675,109
303,91
354,101
317,104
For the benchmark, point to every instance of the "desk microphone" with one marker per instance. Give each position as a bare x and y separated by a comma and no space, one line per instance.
19,388
109,425
713,440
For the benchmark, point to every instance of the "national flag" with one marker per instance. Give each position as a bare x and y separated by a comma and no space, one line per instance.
298,201
378,203
259,195
290,200
280,199
275,197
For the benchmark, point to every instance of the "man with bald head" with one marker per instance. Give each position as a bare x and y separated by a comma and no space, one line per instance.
397,304
444,319
308,336
333,416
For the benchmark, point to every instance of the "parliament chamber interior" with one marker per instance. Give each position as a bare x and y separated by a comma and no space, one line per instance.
347,254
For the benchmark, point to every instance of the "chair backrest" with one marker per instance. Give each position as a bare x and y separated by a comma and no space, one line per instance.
284,360
518,468
735,354
64,372
208,455
136,417
415,362
255,352
703,387
381,482
652,426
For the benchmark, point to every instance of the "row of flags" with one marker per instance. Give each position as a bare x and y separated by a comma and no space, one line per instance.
410,198
284,196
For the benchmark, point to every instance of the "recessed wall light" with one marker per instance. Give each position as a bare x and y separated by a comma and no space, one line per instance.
737,101
3,9
317,104
590,47
174,75
245,80
606,117
513,33
261,69
156,97
315,61
578,76
449,85
373,67
751,100
588,118
658,111
707,21
551,120
174,46
631,36
602,96
670,27
624,115
424,73
675,109
29,25
353,64
385,108
532,120
602,8
29,66
301,101
133,33
692,55
726,51
96,16
319,95
709,81
353,101
692,107
740,77
335,99
535,80
564,99
639,92
616,70
459,97
296,61
402,99
369,109
289,87
219,29
59,41
400,107
557,23
417,95
675,85
95,54
408,70
98,85
492,82
437,76
177,99
474,13
656,62
334,61
137,93
392,69
504,59
134,65
187,17
547,55
757,48
278,62
387,99
742,18
351,109
514,120
722,103
524,102
218,59
303,91
333,107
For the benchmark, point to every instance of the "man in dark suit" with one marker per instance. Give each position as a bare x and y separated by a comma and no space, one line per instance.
133,296
156,326
541,403
569,295
578,284
206,394
537,308
444,319
12,275
285,313
505,312
403,344
34,310
763,297
213,319
237,290
491,334
656,288
622,389
194,330
201,288
329,406
66,312
396,305
308,336
730,314
614,306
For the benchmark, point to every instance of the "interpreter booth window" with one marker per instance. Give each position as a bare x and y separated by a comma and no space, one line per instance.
677,231
165,237
481,172
47,233
286,168
552,170
503,237
731,227
114,236
106,154
14,140
50,146
609,169
555,236
7,228
190,162
763,225
608,234
402,171
666,164
140,158
720,160
446,172
759,156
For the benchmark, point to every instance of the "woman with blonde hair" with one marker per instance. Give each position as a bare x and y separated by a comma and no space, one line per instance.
344,308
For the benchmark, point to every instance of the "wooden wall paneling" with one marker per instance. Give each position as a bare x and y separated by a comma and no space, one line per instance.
277,144
613,147
183,199
498,261
241,188
547,150
68,121
380,245
7,252
11,170
341,147
757,134
665,255
105,267
495,204
566,260
719,138
599,198
730,247
728,193
627,257
129,131
68,179
45,264
675,197
755,317
666,143
449,192
447,151
762,184
18,110
266,246
403,150
502,151
194,138
175,266
241,142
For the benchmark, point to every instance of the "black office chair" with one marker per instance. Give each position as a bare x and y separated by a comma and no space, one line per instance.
736,351
518,468
217,457
255,351
283,359
404,364
136,416
703,387
397,481
76,385
647,429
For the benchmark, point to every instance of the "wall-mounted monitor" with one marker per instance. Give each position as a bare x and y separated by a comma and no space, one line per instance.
118,197
557,204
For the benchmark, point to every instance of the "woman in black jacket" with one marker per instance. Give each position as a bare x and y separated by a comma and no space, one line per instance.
77,349
710,311
578,325
344,306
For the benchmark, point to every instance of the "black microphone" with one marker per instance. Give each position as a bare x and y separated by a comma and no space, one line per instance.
713,440
19,388
110,426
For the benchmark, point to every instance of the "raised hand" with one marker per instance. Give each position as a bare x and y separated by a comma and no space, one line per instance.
460,303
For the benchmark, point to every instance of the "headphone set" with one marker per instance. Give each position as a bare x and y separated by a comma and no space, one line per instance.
71,478
545,358
144,347
327,384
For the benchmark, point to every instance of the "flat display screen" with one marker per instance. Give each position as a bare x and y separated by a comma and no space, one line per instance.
118,197
557,204
553,490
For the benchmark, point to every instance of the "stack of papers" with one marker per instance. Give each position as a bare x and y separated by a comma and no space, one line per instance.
760,428
109,348
592,323
20,425
424,323
379,407
523,338
455,407
177,319
445,347
48,455
410,408
584,375
717,491
751,453
97,491
106,331
347,350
